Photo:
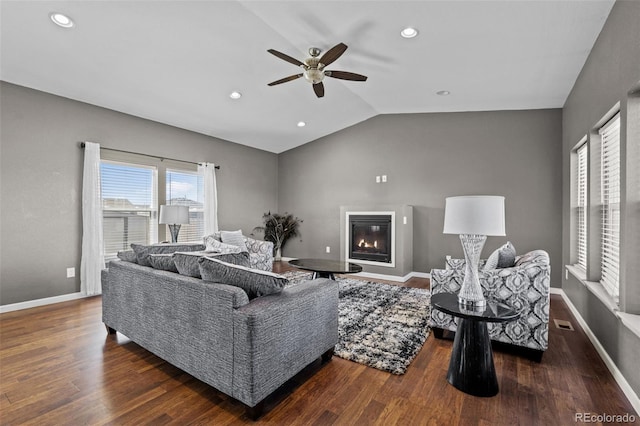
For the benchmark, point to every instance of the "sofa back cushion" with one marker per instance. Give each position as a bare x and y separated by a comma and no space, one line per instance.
187,262
254,282
128,256
163,262
143,251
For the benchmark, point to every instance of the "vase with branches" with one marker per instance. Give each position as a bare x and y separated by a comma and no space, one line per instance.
279,228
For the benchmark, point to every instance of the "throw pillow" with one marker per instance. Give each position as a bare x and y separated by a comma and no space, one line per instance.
210,238
254,282
143,251
218,247
187,263
502,257
234,238
163,262
128,256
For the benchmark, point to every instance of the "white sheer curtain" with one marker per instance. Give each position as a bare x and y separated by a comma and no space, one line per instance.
92,262
208,172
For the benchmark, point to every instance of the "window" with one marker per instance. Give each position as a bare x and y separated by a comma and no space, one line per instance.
186,189
610,198
581,206
129,206
131,199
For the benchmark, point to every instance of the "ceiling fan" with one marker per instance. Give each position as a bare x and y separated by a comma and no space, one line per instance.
313,67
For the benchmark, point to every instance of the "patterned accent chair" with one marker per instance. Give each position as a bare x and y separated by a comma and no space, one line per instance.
525,287
260,252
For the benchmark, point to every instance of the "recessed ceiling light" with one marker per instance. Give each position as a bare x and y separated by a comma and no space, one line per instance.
62,20
235,95
301,124
443,93
409,32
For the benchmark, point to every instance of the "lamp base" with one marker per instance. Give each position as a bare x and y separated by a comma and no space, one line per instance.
174,230
470,296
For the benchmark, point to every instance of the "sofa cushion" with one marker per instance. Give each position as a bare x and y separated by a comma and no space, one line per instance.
234,238
502,257
187,262
220,247
254,282
128,256
210,238
143,251
163,262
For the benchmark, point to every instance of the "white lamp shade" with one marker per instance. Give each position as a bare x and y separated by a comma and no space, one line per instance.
479,215
173,215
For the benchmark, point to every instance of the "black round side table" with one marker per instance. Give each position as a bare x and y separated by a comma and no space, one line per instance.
471,367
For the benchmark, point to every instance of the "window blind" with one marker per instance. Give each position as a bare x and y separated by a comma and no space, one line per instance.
187,189
610,192
129,206
581,205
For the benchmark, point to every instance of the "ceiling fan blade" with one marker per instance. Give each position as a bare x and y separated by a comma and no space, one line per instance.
285,57
344,75
319,89
284,80
332,54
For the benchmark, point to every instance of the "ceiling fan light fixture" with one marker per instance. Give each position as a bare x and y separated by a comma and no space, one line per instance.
235,95
409,32
314,75
61,20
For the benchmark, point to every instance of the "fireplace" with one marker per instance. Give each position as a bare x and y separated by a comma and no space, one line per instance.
370,237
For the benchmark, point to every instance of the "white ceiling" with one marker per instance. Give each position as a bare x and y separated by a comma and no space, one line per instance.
176,62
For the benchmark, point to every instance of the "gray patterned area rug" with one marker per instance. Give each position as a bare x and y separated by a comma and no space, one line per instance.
380,325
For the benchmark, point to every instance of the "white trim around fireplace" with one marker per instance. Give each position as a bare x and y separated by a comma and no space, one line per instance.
392,264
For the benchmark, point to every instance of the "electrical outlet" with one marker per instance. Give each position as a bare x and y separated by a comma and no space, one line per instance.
566,274
71,272
384,178
377,179
328,249
404,220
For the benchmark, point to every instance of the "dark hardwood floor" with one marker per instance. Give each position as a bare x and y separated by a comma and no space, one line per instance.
58,366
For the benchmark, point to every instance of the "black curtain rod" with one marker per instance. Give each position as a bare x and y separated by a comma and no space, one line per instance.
147,155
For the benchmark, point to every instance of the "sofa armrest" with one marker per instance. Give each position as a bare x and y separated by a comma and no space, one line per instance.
276,336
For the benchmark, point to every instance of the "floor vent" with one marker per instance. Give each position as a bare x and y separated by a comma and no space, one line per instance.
563,324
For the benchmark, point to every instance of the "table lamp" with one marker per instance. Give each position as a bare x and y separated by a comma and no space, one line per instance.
473,218
174,216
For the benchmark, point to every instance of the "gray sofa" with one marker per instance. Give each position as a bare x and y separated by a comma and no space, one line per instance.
245,349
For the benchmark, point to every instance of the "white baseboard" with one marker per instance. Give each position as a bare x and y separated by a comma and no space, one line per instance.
615,372
40,302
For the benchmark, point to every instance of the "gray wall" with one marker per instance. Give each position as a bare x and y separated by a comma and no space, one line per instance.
41,182
610,72
428,157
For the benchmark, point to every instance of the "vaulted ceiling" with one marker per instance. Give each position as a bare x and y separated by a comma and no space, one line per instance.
177,62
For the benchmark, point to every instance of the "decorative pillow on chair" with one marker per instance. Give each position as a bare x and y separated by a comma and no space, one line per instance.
502,257
187,263
234,238
163,262
143,251
254,282
219,247
210,238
